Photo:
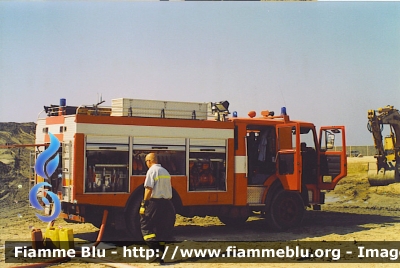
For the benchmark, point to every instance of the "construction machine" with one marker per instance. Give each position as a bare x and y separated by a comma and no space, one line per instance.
386,170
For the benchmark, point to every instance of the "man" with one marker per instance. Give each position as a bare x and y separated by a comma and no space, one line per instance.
157,213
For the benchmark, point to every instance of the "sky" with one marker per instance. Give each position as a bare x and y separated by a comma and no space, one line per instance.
326,62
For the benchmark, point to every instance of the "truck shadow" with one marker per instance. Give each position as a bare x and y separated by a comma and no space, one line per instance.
315,224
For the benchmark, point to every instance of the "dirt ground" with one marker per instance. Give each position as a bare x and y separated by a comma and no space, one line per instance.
354,211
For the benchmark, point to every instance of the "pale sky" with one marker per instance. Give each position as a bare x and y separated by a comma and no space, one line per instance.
327,62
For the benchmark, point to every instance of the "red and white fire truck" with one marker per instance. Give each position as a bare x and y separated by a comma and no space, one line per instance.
221,165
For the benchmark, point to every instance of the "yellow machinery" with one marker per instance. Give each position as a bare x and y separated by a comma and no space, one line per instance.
386,170
389,147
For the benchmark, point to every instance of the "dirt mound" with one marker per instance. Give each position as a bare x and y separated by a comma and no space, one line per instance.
355,192
15,162
16,129
391,190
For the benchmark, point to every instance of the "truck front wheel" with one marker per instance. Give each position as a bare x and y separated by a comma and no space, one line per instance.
286,211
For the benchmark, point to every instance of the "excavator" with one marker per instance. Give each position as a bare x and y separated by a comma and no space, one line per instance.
386,170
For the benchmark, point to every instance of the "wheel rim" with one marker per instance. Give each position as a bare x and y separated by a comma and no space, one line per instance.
288,210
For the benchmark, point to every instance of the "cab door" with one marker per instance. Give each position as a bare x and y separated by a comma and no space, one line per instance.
289,162
332,156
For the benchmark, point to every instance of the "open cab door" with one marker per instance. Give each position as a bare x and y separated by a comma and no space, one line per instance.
332,156
289,161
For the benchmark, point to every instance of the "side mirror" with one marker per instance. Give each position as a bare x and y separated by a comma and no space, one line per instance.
330,141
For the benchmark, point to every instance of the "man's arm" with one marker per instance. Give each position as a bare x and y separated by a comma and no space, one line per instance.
147,193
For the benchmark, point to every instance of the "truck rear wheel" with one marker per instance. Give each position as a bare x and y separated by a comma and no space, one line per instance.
286,211
133,219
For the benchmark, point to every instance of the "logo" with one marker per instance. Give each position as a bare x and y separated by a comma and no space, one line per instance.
46,164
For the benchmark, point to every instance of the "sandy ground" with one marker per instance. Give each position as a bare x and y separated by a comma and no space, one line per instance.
354,211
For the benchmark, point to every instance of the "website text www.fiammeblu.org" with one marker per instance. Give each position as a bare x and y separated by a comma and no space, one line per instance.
228,252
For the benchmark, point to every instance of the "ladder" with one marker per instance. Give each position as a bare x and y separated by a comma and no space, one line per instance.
32,174
66,164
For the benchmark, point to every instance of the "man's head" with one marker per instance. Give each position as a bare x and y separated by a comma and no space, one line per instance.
151,159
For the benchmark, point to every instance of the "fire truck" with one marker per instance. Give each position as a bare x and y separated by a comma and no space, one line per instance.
220,164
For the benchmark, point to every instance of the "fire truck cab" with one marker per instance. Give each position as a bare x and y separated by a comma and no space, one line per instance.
222,166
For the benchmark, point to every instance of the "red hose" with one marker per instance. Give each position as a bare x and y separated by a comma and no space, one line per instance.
102,228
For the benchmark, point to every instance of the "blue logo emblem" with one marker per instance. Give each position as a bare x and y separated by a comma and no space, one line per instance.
46,164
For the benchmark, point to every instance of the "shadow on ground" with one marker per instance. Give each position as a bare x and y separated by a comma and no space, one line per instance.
315,224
